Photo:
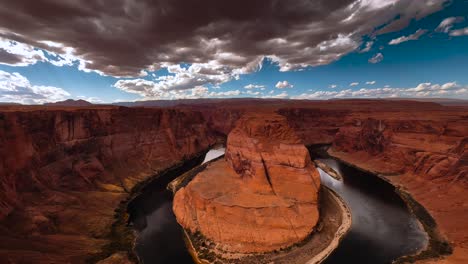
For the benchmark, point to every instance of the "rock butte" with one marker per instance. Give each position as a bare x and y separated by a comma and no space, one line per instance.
262,197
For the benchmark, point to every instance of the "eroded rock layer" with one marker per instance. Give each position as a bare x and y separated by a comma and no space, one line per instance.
63,172
262,197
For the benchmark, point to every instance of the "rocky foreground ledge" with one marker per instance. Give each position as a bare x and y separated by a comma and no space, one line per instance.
262,197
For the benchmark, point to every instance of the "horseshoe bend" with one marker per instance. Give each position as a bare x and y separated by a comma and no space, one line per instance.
77,181
262,197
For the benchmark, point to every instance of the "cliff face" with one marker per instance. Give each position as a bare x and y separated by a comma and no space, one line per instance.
419,147
63,172
262,197
424,153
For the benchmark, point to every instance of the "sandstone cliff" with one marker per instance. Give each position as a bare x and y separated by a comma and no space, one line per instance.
64,172
262,197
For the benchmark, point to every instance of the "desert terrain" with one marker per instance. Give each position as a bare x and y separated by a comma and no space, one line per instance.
66,171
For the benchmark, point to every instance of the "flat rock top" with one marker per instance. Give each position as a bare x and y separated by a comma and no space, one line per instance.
220,184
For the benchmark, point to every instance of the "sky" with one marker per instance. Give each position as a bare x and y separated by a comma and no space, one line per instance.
127,50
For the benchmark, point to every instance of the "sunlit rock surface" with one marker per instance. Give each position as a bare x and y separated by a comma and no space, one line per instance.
262,197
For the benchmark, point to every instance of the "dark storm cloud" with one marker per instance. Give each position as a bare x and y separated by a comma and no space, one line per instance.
8,58
122,37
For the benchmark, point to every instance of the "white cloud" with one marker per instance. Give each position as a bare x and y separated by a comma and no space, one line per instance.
14,53
185,78
368,46
254,86
370,82
446,25
415,36
224,94
459,32
323,53
20,54
354,84
376,58
283,85
332,86
92,99
423,90
253,93
16,88
282,95
199,91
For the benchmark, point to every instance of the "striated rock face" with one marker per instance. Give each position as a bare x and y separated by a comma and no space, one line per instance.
423,152
63,172
262,197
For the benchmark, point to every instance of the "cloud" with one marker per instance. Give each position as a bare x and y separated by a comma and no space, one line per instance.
16,88
254,86
370,82
225,94
354,84
182,78
332,86
376,58
18,54
459,32
169,87
447,90
283,85
415,36
253,93
127,37
446,25
367,47
94,100
282,95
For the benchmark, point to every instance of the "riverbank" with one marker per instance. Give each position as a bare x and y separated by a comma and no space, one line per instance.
334,223
121,236
437,246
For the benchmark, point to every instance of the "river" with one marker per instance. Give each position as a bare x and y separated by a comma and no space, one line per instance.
159,236
382,230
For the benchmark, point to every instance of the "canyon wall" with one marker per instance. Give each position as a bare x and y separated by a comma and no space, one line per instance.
64,172
421,148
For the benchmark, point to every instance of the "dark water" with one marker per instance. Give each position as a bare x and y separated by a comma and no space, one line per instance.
382,228
160,238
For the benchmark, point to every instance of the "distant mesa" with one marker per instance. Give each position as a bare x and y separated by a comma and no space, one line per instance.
70,102
8,104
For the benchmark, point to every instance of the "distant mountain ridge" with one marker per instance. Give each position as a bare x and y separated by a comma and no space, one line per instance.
70,102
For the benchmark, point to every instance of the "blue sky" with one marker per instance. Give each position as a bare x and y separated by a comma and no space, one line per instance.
433,64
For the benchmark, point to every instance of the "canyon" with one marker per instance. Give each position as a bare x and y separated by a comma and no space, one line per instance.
65,170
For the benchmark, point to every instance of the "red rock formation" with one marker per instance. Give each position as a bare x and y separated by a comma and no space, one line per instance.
64,172
422,151
262,197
